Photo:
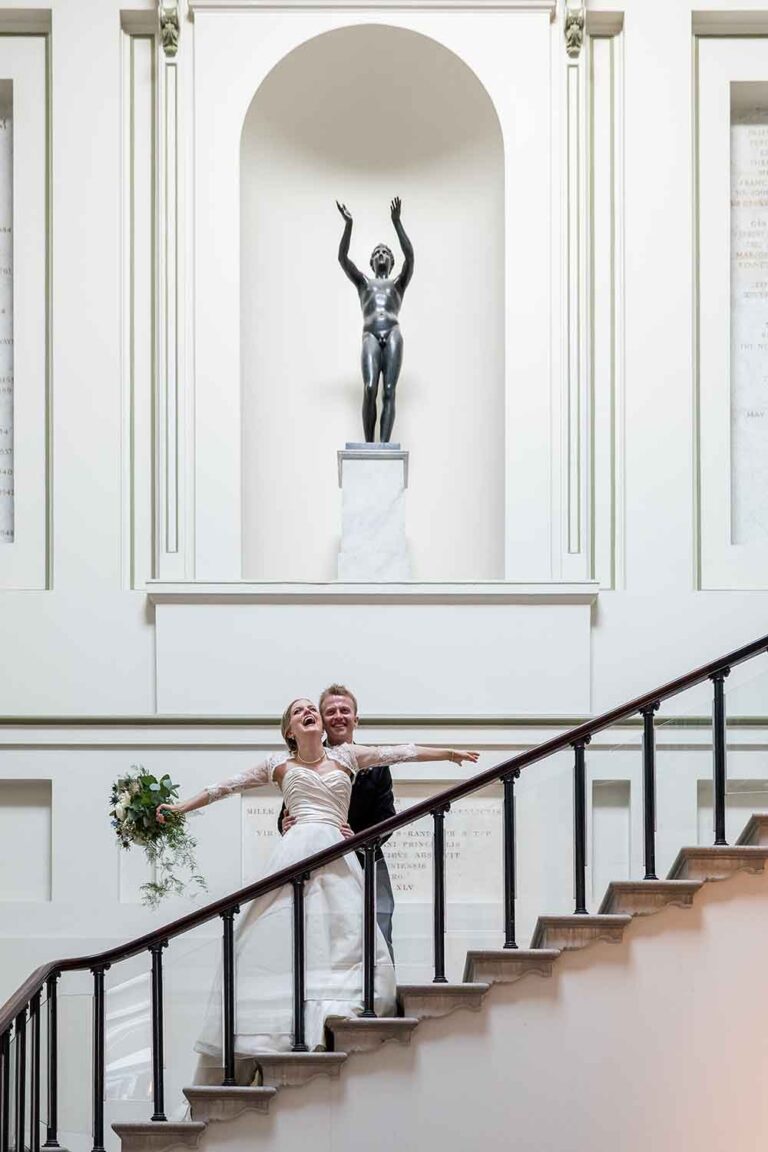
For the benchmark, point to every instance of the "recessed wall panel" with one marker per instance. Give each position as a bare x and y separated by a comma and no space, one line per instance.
6,314
743,799
610,834
25,836
731,410
749,318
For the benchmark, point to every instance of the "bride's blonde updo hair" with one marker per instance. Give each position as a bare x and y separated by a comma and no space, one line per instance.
285,724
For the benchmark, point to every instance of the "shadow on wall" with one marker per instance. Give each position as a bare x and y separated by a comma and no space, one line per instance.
363,114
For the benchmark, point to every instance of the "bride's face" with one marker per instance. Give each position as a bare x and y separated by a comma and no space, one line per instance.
305,718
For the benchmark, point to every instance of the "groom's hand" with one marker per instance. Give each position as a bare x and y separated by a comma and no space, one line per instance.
346,831
288,823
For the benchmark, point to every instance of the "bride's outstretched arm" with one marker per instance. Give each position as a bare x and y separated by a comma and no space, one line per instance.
251,778
370,757
197,801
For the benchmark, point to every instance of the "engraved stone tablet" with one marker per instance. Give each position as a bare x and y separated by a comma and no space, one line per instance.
260,809
6,314
749,323
473,849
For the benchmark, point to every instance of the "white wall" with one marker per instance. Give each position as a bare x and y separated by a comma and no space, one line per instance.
654,1039
361,115
87,646
649,1043
93,899
90,647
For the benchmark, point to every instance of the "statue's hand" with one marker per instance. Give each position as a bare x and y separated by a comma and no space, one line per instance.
395,208
344,211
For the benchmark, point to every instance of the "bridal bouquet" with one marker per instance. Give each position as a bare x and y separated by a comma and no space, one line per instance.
168,846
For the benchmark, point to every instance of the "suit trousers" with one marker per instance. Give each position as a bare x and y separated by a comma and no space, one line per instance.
385,902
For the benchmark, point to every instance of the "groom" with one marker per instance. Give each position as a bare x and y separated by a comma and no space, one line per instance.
371,802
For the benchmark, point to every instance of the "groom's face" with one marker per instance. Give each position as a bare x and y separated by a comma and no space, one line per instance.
339,719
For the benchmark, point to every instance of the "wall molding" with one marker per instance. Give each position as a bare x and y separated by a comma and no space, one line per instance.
171,387
489,592
724,23
605,303
499,735
378,5
25,21
604,23
26,562
139,296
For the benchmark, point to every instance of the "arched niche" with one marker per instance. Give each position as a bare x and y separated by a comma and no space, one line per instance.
362,114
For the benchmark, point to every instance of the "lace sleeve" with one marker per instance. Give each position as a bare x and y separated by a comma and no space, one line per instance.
366,758
254,777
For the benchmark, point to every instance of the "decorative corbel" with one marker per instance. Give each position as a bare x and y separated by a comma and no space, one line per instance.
573,29
170,28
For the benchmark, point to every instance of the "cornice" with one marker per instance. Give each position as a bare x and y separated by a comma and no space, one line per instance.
549,6
483,592
718,21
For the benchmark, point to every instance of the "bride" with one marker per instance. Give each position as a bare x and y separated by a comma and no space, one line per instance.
316,783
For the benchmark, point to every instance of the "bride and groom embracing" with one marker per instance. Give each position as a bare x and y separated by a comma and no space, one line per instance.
326,788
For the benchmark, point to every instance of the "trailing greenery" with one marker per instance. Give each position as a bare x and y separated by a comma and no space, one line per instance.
168,846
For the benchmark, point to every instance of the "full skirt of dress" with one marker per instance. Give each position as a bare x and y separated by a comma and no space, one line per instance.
333,918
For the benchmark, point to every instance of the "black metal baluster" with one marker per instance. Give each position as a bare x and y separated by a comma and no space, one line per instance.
718,743
34,1075
228,918
21,1079
299,1044
158,1088
369,929
52,1134
580,826
438,872
649,790
5,1089
510,886
98,1056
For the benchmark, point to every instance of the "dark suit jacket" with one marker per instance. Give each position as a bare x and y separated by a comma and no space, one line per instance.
371,802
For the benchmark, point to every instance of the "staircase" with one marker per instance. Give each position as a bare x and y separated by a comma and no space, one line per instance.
261,1079
524,1074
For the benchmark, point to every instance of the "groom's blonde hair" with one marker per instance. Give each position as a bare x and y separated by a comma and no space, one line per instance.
337,690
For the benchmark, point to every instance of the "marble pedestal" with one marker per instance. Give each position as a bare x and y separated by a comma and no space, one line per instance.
373,479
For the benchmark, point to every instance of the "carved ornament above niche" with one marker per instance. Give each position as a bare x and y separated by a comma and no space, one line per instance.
573,30
170,28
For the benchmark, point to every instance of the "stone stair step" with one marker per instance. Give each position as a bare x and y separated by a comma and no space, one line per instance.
225,1102
506,965
363,1034
717,862
424,1001
569,933
755,831
644,897
291,1069
158,1135
212,1075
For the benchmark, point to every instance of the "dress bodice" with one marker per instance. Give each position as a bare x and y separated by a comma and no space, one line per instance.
312,796
317,797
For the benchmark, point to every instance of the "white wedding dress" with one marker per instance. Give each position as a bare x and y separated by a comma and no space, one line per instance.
333,905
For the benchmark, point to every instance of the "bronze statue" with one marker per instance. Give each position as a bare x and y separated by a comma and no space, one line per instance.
380,300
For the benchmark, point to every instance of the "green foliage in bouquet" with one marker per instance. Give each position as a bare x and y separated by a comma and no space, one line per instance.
168,846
